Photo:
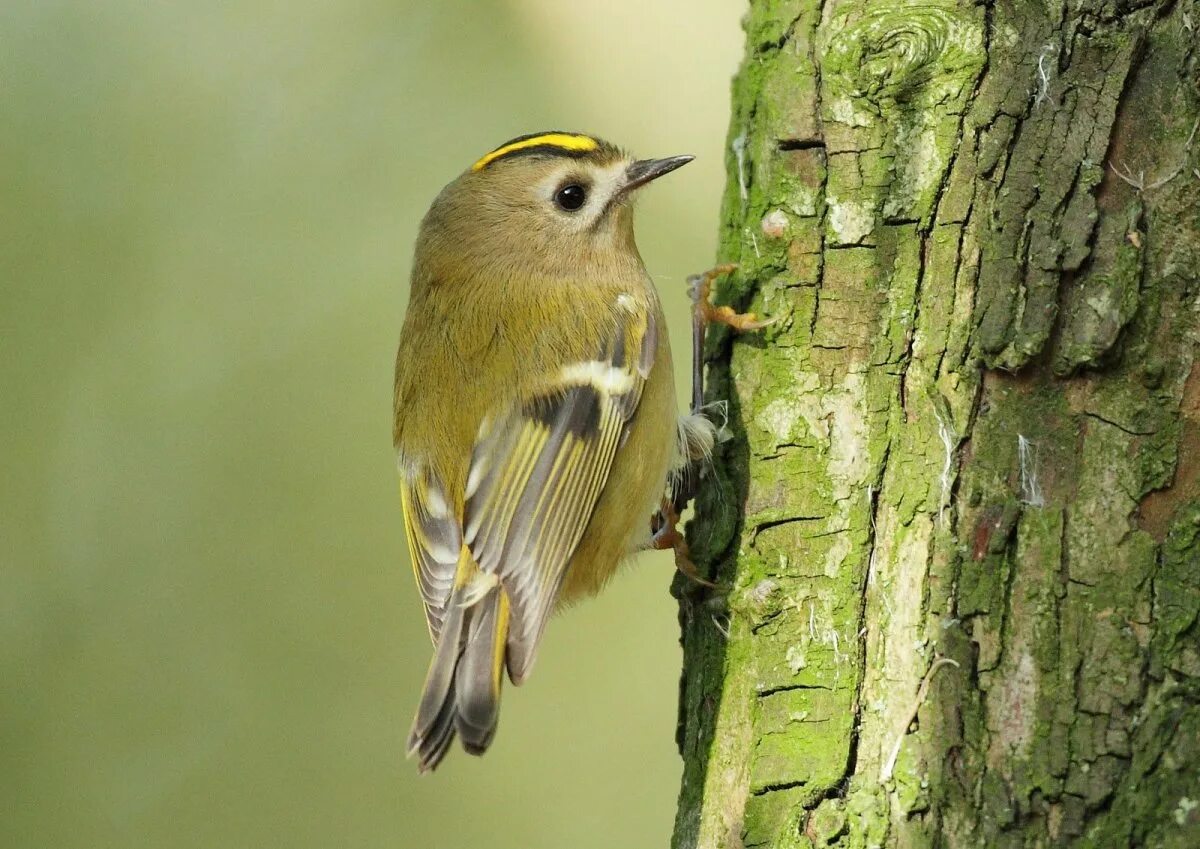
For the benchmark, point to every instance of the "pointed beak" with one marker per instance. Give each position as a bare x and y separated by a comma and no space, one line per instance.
644,170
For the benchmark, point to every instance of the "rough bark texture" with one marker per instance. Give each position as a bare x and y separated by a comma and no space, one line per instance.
957,523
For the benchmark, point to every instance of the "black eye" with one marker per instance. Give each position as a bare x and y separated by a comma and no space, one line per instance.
571,197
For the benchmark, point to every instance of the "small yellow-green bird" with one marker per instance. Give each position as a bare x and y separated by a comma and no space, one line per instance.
535,414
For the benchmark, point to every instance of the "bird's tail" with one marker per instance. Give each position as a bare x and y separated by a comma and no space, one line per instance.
462,688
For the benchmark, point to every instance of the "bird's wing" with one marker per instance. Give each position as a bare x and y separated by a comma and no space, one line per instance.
434,543
537,470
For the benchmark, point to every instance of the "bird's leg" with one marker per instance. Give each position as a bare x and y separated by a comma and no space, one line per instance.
663,524
703,313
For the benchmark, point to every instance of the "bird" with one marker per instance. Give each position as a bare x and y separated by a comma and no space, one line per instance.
535,420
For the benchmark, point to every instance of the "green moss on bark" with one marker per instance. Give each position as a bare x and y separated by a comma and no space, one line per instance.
963,439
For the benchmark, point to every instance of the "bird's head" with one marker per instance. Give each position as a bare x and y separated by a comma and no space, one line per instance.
556,204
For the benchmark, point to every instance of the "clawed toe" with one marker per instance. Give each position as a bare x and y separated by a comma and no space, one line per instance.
700,286
663,527
739,321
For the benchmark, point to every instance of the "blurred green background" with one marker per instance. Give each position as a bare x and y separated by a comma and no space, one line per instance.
209,634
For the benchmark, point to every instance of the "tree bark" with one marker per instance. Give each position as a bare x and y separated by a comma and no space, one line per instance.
956,526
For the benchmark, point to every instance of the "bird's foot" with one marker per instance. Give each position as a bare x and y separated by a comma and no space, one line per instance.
665,534
703,314
700,290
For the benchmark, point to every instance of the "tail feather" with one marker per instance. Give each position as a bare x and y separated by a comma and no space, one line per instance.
462,687
433,727
478,678
433,745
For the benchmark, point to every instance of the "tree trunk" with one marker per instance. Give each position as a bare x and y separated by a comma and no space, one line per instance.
956,527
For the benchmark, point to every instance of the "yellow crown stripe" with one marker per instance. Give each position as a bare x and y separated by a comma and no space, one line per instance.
565,141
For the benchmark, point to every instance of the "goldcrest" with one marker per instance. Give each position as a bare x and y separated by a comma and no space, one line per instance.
535,412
